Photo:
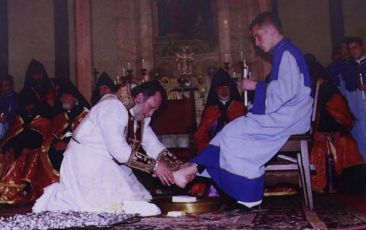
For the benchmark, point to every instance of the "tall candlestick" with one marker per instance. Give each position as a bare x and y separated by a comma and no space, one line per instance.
362,91
245,76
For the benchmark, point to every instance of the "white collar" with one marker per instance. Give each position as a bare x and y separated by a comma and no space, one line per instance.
360,59
224,101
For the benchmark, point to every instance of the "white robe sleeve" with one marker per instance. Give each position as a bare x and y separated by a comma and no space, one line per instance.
112,121
150,142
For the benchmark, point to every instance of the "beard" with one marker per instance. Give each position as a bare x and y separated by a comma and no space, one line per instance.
67,106
138,110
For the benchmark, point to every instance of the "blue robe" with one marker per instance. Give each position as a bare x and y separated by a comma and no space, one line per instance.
236,156
8,106
341,74
358,106
347,75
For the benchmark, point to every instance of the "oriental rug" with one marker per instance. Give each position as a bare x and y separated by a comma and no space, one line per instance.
284,212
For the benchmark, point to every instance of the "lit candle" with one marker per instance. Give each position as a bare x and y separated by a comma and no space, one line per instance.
226,58
241,56
362,91
245,72
143,64
128,65
123,72
245,76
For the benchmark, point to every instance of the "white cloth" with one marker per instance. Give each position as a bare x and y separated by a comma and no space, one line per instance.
250,141
90,178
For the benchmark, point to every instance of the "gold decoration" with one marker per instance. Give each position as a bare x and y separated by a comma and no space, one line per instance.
203,205
184,61
165,82
141,162
125,96
170,160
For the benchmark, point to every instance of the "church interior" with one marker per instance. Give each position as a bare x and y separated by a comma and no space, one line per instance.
316,181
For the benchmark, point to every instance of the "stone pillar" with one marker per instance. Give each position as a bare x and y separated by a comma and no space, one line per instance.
265,5
260,67
235,37
83,48
134,28
146,32
336,22
4,35
126,34
62,47
223,18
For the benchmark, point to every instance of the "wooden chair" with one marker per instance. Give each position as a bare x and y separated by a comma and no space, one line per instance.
299,145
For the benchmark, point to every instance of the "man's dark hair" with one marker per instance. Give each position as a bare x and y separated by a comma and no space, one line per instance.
7,78
357,40
149,89
266,18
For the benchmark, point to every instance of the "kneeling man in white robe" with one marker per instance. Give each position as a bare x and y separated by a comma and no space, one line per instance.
96,174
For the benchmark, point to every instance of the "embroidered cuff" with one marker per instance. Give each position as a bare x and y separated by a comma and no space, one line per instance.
141,162
170,160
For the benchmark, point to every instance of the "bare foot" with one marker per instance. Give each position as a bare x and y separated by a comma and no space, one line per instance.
183,175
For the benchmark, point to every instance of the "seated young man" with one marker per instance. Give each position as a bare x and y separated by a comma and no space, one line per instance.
235,158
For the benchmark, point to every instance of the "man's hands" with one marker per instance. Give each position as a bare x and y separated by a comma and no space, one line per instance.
164,174
362,87
248,84
2,118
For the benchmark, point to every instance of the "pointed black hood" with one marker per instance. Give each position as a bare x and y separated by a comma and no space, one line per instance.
69,88
36,67
104,79
221,78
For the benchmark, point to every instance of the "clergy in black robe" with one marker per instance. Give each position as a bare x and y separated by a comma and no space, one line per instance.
104,85
69,112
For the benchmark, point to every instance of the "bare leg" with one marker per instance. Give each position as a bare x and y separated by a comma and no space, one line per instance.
183,176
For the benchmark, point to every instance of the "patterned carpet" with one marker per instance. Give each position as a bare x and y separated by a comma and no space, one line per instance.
274,213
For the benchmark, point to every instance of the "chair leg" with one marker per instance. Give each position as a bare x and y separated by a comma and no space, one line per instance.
302,179
306,170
